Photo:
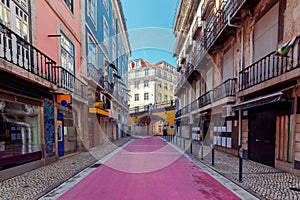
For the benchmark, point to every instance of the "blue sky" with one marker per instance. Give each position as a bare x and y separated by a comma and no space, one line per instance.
150,28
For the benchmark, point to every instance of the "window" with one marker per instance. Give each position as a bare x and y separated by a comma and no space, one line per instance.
159,97
136,97
92,9
171,78
165,75
166,86
106,71
69,4
27,128
67,54
159,84
159,73
146,107
5,12
114,53
146,72
136,109
166,97
136,74
105,33
171,88
165,66
146,96
92,52
146,83
105,3
136,84
21,23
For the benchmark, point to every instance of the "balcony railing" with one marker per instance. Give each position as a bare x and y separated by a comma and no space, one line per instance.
95,74
68,81
205,99
21,53
269,67
205,7
226,89
194,105
108,87
178,114
218,20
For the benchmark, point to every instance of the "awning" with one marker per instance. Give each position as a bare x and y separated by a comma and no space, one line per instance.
258,101
98,111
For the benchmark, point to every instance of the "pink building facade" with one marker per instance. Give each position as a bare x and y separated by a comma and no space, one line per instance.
57,32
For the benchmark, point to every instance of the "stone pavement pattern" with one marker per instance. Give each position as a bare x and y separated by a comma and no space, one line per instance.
147,169
34,184
267,182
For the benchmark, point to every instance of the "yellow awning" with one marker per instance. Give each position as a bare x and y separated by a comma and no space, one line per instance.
98,111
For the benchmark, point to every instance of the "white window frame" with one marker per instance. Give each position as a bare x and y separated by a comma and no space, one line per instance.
89,11
146,83
71,2
146,96
106,6
5,10
91,41
136,97
106,34
63,47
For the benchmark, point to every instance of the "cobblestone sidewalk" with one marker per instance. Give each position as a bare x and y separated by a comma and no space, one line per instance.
34,184
267,182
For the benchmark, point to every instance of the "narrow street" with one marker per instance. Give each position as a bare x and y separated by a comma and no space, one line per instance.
146,168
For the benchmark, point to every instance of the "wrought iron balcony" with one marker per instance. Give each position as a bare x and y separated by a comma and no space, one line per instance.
178,114
95,74
16,50
189,68
205,99
206,7
68,81
108,87
226,89
217,21
269,67
194,105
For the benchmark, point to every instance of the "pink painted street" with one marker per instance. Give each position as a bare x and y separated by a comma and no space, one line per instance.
148,168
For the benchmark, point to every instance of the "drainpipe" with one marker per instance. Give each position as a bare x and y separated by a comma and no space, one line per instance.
240,150
241,67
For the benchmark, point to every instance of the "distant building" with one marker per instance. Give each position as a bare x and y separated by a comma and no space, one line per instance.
151,85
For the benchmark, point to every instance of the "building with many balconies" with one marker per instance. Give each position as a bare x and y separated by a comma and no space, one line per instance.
236,88
63,72
106,60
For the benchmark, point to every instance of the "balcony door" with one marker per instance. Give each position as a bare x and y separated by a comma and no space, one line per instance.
227,70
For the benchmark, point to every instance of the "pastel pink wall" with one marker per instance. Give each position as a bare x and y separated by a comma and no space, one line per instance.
51,17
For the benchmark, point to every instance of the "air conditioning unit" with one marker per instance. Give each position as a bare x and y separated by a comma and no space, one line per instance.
227,111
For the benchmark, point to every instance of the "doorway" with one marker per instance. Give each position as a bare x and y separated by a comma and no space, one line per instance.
262,131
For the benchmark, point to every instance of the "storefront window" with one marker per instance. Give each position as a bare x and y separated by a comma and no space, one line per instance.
20,140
